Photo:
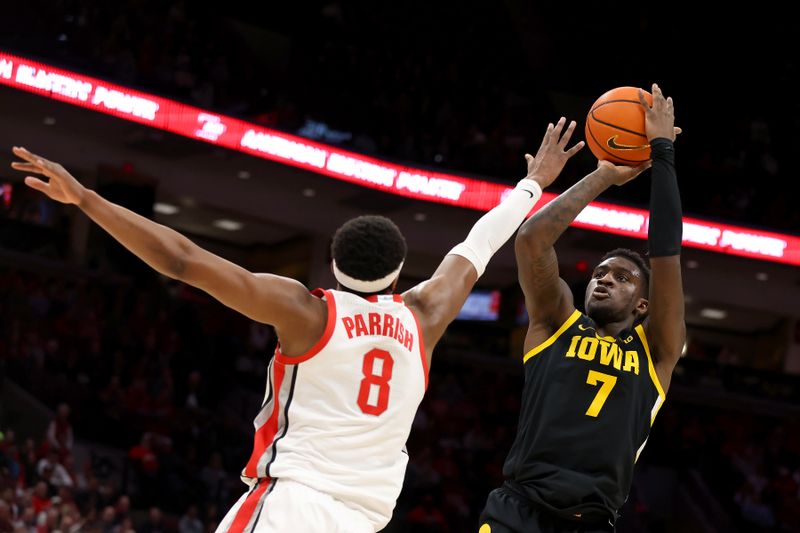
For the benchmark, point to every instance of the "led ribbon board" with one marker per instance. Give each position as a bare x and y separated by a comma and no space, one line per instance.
235,134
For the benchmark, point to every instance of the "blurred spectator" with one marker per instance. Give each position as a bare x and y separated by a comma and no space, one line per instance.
40,500
154,522
59,432
426,517
6,525
189,522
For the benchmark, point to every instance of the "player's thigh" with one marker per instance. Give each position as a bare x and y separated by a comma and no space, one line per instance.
295,508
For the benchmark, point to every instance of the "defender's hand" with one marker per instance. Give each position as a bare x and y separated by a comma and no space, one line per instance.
61,186
552,154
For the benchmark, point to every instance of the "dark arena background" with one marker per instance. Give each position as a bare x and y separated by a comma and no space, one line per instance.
127,398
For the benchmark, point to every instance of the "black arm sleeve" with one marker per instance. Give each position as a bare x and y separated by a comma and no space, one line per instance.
666,226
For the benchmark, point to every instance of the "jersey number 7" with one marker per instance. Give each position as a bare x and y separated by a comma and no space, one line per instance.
607,383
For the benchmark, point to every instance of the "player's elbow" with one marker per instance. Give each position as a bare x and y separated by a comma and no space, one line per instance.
182,262
527,241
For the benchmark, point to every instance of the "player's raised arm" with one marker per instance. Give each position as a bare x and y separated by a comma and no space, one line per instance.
547,297
282,302
439,299
665,326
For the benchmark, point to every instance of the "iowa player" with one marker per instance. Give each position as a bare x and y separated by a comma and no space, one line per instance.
594,382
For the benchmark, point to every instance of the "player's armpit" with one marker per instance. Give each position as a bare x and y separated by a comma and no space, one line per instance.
438,300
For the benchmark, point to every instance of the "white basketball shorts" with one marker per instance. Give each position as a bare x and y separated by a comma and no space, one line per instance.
284,506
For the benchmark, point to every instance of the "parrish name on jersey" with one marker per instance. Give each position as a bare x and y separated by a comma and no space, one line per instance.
378,324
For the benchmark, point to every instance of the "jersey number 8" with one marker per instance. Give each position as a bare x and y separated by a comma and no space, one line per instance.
371,379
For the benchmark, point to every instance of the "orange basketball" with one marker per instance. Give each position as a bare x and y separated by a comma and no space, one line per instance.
615,127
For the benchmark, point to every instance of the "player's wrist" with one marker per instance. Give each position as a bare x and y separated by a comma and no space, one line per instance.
606,175
532,184
86,198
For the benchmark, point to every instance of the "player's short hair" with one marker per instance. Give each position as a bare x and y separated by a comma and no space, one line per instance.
637,260
368,247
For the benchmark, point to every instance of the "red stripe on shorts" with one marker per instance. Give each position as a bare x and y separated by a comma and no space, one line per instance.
248,507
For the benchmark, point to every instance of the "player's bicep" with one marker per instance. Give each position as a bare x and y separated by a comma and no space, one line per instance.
665,326
548,298
264,298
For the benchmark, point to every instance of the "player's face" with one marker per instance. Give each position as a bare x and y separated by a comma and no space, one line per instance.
615,291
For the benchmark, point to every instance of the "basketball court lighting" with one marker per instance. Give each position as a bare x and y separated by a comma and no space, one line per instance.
227,224
165,209
714,314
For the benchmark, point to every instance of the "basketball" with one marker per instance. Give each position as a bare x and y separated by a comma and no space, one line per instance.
615,127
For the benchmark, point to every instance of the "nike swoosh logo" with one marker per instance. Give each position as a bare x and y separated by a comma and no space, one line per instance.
578,515
584,328
614,145
529,192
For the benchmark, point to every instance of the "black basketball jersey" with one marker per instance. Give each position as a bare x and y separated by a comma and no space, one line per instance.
587,407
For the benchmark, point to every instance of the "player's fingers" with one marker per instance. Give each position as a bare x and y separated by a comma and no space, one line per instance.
36,183
548,132
678,130
658,97
575,149
22,153
657,91
27,155
643,100
50,169
635,171
670,103
567,134
559,126
26,167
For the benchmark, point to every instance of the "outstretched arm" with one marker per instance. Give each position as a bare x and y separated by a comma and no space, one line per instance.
282,302
548,298
439,299
665,326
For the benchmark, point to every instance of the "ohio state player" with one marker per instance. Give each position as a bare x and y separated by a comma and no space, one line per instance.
352,363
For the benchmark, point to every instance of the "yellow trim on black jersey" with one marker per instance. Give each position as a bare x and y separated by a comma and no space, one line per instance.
564,327
652,369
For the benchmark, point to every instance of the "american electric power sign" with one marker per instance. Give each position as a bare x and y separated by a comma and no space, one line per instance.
235,134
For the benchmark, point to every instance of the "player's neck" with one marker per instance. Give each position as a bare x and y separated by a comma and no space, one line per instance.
388,290
613,329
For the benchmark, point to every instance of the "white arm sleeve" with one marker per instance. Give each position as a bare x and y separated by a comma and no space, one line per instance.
494,228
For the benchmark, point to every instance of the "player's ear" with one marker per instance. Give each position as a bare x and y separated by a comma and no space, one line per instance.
640,311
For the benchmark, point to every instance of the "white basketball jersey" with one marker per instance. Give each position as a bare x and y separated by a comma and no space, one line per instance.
337,418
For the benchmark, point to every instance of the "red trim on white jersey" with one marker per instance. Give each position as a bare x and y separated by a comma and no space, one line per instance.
421,347
266,433
326,335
